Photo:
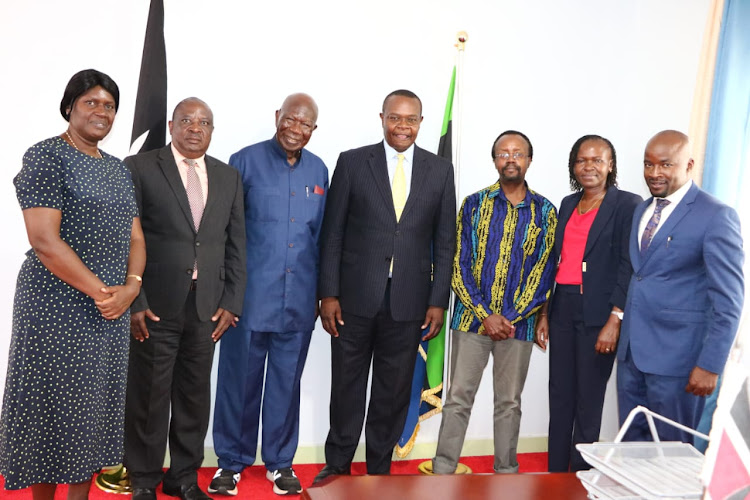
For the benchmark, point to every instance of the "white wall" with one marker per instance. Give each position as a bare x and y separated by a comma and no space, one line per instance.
554,70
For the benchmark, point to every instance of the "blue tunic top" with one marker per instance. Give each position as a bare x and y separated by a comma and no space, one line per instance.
283,214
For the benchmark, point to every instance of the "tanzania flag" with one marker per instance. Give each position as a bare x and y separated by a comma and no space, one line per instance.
427,384
150,118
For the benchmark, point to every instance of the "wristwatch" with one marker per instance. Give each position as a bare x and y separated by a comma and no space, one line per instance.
619,314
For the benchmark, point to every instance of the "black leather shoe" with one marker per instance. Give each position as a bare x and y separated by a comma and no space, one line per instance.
330,470
187,492
144,494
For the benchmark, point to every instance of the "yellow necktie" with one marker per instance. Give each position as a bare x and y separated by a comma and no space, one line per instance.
399,187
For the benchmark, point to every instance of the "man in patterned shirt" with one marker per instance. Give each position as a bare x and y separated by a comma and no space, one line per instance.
502,275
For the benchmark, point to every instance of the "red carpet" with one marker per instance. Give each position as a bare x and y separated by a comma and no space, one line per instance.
255,486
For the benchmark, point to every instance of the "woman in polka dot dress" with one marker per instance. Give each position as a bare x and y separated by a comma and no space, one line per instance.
64,400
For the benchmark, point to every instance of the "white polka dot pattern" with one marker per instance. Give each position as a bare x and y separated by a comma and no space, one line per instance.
63,406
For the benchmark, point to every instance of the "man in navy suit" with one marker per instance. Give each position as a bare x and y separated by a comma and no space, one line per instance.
385,271
685,296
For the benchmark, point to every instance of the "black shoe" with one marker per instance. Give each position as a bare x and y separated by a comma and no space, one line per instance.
224,482
330,470
144,494
285,481
187,492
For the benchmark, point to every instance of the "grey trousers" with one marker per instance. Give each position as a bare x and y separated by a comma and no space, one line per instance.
469,356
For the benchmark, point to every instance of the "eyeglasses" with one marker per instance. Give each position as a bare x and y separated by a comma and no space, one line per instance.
516,156
410,120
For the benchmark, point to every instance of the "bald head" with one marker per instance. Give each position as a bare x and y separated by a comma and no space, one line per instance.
192,101
295,122
667,163
300,100
675,138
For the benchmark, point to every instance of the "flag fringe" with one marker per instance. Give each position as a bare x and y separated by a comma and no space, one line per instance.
429,397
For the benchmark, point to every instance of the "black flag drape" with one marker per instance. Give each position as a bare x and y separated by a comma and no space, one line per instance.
151,101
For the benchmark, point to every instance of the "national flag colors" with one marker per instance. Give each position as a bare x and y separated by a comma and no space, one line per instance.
427,384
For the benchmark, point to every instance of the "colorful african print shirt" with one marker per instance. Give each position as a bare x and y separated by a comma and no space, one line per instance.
502,263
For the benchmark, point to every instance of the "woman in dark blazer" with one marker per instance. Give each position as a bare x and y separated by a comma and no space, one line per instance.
586,308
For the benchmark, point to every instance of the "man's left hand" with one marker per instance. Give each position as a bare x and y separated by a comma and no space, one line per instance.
701,382
434,318
225,320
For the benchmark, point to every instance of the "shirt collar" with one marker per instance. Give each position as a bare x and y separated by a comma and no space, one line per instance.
179,157
496,190
678,195
276,147
391,153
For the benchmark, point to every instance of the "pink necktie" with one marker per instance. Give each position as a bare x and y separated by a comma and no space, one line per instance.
194,193
195,199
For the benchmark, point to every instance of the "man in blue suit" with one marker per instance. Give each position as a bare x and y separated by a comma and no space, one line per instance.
685,296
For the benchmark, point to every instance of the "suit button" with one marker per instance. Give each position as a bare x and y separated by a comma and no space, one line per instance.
398,233
197,243
189,271
289,269
639,277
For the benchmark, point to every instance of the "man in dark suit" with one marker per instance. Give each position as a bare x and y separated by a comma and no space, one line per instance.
192,213
685,296
387,251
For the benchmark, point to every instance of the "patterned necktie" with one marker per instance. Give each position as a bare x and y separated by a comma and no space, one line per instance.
398,187
195,199
653,223
194,193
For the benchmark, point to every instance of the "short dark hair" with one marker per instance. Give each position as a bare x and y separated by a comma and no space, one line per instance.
513,132
82,82
611,177
403,93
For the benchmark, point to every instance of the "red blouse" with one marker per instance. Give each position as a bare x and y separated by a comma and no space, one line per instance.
574,244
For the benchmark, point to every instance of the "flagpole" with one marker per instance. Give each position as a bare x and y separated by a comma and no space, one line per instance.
461,38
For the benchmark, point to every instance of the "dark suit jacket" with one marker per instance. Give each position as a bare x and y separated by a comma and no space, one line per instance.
686,293
360,234
172,244
608,268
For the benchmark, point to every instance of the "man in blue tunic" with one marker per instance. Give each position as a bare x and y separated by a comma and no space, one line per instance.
285,188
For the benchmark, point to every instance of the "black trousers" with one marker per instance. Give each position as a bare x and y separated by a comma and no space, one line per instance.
391,347
170,368
578,378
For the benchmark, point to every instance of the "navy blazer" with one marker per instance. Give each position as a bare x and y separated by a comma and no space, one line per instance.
360,234
607,271
686,293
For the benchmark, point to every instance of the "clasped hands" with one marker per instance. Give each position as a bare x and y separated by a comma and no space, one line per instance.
116,299
498,327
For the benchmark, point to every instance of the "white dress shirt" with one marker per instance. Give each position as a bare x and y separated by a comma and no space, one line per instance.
391,157
200,169
674,199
